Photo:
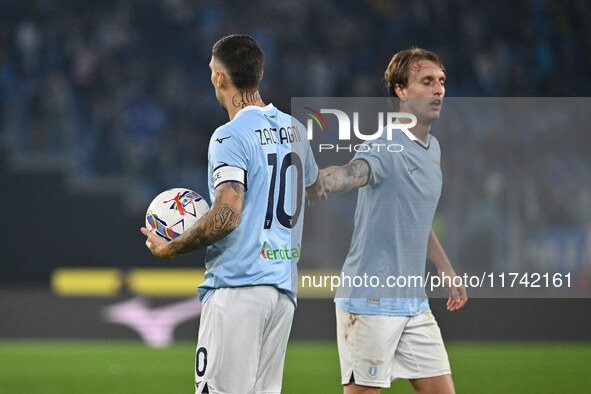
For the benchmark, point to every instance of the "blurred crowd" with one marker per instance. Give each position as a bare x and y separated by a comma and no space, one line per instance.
122,87
518,180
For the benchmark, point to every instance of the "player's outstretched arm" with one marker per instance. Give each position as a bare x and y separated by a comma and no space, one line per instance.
223,217
435,253
338,179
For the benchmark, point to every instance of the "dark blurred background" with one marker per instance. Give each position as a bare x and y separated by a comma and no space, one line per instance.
104,104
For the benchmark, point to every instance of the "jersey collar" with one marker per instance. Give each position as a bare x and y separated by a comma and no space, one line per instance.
267,107
414,138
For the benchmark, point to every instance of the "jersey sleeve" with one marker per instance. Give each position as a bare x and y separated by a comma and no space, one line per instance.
377,158
311,168
228,155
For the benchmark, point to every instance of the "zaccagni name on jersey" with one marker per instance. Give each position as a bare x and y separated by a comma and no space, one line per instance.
286,135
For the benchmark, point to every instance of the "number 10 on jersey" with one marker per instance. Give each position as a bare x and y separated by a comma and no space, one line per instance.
285,219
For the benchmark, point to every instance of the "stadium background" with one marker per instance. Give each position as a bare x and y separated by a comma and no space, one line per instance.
105,104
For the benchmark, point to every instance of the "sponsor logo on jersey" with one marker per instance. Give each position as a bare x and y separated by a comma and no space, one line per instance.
269,253
220,140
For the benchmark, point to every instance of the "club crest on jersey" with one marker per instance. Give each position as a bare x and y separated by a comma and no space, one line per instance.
373,368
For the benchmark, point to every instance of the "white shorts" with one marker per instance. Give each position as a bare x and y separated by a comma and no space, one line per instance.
243,336
376,350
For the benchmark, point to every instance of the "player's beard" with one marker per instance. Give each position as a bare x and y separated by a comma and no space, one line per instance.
221,101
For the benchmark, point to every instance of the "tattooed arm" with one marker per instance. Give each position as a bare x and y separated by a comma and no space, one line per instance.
351,176
223,218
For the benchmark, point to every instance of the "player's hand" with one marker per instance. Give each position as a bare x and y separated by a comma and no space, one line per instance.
317,191
457,294
157,245
324,174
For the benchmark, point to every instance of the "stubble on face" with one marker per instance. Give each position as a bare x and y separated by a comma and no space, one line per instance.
221,100
426,85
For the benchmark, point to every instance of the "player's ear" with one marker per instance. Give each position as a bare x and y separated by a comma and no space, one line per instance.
222,79
400,91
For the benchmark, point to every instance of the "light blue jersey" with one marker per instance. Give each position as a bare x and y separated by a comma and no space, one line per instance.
266,150
393,219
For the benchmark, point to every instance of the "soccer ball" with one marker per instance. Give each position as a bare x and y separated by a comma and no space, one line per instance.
174,211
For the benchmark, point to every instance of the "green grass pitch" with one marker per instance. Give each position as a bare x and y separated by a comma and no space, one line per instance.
311,367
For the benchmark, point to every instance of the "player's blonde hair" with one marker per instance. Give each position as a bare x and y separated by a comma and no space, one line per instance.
399,67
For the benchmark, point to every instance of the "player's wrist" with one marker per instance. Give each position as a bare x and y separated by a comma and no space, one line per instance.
446,272
169,250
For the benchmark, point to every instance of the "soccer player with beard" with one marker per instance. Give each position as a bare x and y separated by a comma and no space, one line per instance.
259,164
384,335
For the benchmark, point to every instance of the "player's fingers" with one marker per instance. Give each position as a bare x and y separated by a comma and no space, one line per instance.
454,300
146,232
450,303
459,304
462,303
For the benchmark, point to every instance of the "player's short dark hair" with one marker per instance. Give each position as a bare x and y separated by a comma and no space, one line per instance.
243,58
399,67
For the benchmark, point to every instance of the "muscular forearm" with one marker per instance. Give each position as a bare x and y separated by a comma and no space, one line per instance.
213,226
223,218
339,179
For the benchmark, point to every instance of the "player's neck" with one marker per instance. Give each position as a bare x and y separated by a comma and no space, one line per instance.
421,131
239,100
